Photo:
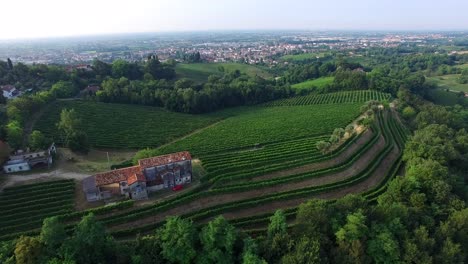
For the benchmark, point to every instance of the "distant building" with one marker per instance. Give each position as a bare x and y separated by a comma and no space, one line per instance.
90,90
25,161
150,175
10,91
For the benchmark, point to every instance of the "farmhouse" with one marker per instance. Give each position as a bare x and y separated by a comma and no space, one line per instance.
9,91
24,161
150,175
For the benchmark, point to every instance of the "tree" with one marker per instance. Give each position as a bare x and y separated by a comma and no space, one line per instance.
28,250
69,121
277,243
10,64
178,240
78,142
306,251
349,130
433,142
338,132
69,125
278,224
249,254
351,237
14,133
89,243
408,112
52,234
323,146
63,89
37,141
218,238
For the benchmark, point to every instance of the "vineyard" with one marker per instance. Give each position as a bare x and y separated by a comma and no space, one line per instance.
251,127
260,159
25,207
137,126
333,98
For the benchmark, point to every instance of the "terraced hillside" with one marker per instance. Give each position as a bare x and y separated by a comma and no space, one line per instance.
25,207
332,98
264,158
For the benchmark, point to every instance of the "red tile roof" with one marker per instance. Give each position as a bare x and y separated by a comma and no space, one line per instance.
135,173
116,176
138,177
7,88
161,160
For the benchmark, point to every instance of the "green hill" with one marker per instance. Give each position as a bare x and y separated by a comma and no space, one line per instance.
200,72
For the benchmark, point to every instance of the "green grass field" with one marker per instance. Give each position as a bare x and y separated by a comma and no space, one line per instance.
443,97
258,125
463,66
200,72
302,57
319,83
449,81
124,126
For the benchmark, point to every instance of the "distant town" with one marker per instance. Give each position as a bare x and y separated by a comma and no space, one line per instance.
260,48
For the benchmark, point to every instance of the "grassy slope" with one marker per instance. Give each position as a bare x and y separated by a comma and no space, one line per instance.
256,125
200,72
446,98
319,83
449,81
301,57
463,66
125,126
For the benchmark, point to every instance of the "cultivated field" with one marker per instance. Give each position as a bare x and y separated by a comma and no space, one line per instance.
332,98
200,72
318,83
25,207
260,159
252,126
302,57
124,126
450,82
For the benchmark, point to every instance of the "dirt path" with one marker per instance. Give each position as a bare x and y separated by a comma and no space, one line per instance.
213,200
11,180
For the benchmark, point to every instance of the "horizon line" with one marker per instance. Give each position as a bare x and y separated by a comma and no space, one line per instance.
279,30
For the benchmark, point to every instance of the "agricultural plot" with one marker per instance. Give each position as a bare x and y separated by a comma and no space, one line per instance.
222,201
200,72
124,126
448,98
302,57
318,83
250,127
360,96
449,81
25,207
241,154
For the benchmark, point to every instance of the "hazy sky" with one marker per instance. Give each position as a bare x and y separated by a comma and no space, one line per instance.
44,18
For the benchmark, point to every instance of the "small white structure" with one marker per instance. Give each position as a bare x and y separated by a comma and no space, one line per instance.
9,91
16,166
24,161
